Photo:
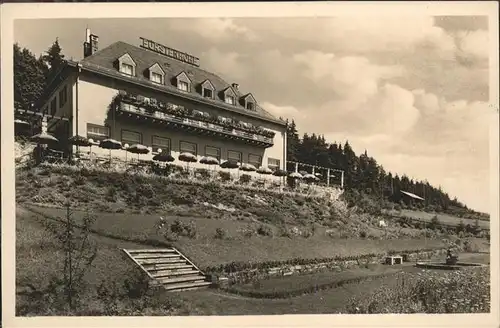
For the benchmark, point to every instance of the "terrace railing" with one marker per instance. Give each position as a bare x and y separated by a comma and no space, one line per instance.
126,107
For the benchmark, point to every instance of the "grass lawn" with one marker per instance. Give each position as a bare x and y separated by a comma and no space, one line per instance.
39,258
206,250
282,287
444,218
328,301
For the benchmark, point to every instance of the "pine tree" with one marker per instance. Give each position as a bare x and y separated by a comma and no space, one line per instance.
362,174
292,142
29,78
53,57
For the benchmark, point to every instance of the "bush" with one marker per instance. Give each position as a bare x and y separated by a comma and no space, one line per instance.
363,234
248,231
464,291
220,233
182,229
264,230
204,173
434,223
245,178
111,195
225,176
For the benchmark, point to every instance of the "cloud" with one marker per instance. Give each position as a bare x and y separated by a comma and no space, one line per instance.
289,112
214,29
475,43
227,64
348,76
365,34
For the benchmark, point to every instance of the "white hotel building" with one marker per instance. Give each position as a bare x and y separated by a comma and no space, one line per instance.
161,98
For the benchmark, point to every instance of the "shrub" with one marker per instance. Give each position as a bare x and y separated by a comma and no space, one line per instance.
306,233
220,233
434,224
248,231
363,234
182,229
136,284
111,195
79,179
245,178
264,230
225,176
464,291
204,173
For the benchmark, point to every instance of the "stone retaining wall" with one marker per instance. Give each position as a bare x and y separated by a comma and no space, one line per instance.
245,276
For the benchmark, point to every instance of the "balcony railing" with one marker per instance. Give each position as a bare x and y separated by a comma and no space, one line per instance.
200,126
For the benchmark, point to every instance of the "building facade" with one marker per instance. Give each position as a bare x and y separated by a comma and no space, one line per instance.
159,97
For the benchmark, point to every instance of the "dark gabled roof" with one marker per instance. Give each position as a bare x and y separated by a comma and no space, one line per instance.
104,60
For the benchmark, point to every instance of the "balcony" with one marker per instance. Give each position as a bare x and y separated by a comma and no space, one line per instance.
192,125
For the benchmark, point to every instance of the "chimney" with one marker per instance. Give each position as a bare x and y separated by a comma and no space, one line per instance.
90,46
235,86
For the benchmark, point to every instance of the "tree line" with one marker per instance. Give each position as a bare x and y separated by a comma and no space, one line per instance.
364,177
31,73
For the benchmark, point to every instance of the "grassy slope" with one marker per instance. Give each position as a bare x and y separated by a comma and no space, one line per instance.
36,261
130,205
206,250
37,253
444,218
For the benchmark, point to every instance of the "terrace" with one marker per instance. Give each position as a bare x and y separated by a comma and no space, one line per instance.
193,121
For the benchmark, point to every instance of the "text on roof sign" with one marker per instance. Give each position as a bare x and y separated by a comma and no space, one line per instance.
169,52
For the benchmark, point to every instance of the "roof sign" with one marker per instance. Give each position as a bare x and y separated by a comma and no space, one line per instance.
169,52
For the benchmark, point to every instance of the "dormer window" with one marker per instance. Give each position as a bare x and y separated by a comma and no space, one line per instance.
207,93
207,89
127,69
126,65
229,96
184,86
183,82
156,78
156,74
248,102
230,100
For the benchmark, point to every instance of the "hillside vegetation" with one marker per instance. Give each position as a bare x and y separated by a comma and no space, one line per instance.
365,178
216,224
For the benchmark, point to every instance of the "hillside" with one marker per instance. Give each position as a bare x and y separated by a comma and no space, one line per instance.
365,178
229,223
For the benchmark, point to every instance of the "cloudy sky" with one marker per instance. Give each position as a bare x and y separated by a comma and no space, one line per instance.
412,91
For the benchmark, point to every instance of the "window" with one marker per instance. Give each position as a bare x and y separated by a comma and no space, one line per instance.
131,137
184,86
273,163
53,105
160,142
230,100
97,132
250,106
63,96
234,156
127,69
187,147
156,78
212,151
255,160
207,93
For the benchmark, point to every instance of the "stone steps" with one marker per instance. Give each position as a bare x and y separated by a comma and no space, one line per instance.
169,268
